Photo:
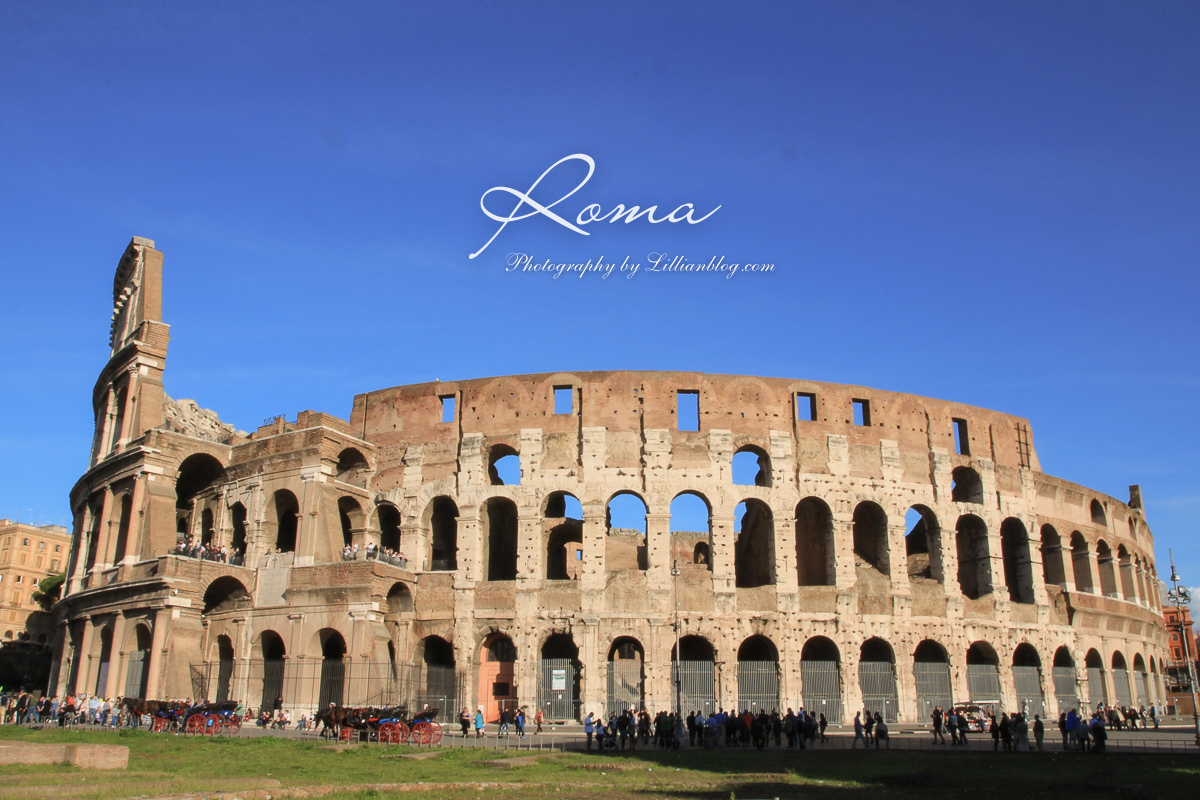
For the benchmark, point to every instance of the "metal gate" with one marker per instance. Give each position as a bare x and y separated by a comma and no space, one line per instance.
822,689
1028,683
624,686
333,679
102,679
877,679
1065,691
272,682
1097,693
135,677
224,676
696,684
758,686
933,687
1121,685
1139,680
983,681
558,689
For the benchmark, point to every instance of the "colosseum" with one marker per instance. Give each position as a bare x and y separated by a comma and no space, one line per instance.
587,541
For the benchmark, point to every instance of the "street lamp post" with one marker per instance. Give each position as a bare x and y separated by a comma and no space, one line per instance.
1180,598
678,654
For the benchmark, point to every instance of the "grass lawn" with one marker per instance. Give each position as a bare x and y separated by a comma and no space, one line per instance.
257,767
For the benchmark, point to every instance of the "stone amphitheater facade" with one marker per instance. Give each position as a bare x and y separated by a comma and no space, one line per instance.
888,550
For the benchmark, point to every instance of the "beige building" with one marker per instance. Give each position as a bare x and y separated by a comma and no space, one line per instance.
28,553
583,541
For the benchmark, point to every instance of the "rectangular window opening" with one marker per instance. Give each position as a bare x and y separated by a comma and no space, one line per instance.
564,399
862,413
447,408
687,410
806,407
961,442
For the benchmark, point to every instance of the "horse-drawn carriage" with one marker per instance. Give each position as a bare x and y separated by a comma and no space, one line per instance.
387,725
207,719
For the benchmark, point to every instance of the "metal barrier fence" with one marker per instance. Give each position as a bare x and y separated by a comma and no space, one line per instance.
822,684
877,679
758,685
933,687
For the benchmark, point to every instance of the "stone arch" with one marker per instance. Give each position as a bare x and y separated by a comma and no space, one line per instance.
434,657
751,466
333,667
138,642
1120,676
923,543
931,673
1018,568
237,521
498,534
625,547
441,520
815,543
966,486
1098,515
352,467
1027,681
693,674
350,514
1097,687
626,675
226,593
504,460
821,677
1053,571
983,675
497,690
563,537
388,518
399,599
560,683
274,655
691,529
125,517
974,560
224,659
1081,563
758,674
195,474
871,536
754,548
1125,569
1108,574
285,509
877,678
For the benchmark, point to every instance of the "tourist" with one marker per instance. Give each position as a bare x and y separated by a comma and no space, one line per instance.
479,723
936,717
858,731
537,721
881,731
589,728
464,722
1039,731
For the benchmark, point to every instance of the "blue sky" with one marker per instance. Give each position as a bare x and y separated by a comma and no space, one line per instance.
993,204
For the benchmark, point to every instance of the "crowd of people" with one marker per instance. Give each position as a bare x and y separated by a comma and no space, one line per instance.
510,723
23,708
189,548
373,551
667,731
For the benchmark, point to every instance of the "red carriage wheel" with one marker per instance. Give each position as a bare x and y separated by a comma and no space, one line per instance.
212,724
158,725
389,733
344,734
233,724
195,724
404,732
436,728
422,733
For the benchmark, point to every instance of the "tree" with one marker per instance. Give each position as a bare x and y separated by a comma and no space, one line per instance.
49,590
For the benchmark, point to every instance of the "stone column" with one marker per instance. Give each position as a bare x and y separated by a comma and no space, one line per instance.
594,570
659,547
724,567
116,659
158,652
84,655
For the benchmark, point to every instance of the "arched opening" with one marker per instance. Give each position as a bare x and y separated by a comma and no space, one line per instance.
1018,569
287,521
751,467
126,517
399,599
691,530
983,676
225,594
821,678
499,518
559,684
139,663
966,486
1108,573
206,527
870,537
351,515
352,467
1027,681
1053,571
1098,515
626,676
974,561
625,535
758,675
105,661
497,689
877,678
563,534
1066,692
1097,689
443,535
274,656
504,466
1132,528
1120,676
931,670
1140,683
693,675
435,656
196,474
754,548
923,543
1125,565
224,668
814,544
1081,565
333,668
389,527
237,516
1139,570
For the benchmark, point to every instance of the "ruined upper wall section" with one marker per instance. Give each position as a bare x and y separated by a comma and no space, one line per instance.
137,292
188,418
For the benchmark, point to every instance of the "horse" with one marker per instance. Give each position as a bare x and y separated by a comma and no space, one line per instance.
332,719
